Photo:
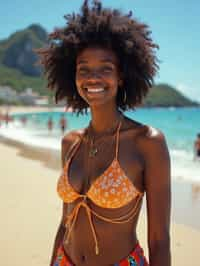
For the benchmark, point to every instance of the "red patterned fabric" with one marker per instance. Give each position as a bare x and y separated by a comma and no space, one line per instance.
135,258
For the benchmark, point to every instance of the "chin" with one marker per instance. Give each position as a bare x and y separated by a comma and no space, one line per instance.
102,103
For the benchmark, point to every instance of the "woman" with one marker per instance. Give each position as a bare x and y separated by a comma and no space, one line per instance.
104,60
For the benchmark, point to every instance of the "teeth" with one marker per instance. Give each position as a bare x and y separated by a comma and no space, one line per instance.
95,90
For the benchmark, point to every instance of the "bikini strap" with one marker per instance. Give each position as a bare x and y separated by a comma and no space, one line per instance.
73,148
117,140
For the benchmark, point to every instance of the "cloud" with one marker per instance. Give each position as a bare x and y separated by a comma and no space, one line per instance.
188,91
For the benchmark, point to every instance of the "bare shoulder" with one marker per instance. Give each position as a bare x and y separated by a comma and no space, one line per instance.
153,135
144,135
71,136
152,141
68,141
155,153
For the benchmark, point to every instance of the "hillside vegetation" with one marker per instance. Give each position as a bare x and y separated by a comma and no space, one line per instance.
164,95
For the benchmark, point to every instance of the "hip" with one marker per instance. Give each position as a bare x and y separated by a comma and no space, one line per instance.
134,258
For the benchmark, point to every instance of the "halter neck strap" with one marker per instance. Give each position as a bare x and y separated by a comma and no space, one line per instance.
117,140
72,150
78,141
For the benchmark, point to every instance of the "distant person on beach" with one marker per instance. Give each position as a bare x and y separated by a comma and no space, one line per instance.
63,124
50,124
1,118
197,147
195,192
24,120
7,118
105,60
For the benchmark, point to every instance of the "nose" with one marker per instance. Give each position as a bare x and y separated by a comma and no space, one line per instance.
93,75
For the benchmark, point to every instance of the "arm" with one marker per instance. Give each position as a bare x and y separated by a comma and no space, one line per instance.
158,195
65,148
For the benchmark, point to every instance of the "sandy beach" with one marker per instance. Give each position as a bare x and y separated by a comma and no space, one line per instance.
28,109
31,210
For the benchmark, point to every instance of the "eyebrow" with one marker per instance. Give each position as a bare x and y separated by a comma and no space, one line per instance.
104,60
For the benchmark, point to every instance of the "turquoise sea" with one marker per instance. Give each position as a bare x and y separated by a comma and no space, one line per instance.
180,126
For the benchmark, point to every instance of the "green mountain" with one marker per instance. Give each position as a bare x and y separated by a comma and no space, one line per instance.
17,51
17,60
18,69
19,82
164,95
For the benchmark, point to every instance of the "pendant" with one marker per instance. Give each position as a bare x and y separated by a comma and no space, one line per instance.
93,152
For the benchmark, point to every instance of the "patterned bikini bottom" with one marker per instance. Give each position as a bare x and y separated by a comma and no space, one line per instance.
135,258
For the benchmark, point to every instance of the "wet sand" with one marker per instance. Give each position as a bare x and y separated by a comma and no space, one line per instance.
29,109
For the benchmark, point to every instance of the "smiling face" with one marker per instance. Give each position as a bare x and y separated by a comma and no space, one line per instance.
97,75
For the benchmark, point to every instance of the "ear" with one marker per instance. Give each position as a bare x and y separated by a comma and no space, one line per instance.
120,80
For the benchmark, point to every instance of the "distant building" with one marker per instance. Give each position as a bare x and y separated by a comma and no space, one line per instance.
8,94
30,92
42,100
27,97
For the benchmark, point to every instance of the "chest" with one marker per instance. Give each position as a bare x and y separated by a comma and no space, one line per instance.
84,170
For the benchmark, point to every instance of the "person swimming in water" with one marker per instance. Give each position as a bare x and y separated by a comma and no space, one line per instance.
50,124
63,123
197,147
105,60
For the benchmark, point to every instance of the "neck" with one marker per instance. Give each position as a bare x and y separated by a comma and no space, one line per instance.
104,118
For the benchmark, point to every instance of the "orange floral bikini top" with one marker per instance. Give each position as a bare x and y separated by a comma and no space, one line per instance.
112,189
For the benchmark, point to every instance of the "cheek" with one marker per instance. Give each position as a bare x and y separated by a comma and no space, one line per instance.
114,84
79,89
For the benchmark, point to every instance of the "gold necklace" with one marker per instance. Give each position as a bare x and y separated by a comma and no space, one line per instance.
93,150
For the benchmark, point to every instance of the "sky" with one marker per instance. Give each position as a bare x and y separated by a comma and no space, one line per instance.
175,27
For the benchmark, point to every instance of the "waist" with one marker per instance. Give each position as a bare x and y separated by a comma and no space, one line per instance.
113,249
94,218
104,231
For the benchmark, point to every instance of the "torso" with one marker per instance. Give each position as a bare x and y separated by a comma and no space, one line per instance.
115,240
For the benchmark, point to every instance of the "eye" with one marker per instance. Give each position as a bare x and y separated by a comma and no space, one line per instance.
107,69
83,70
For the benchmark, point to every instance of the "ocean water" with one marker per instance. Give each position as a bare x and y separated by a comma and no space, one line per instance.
179,125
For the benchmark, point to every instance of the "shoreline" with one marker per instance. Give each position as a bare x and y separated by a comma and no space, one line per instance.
47,157
32,211
29,109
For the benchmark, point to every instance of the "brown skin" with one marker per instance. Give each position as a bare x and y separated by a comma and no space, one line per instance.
197,146
144,157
